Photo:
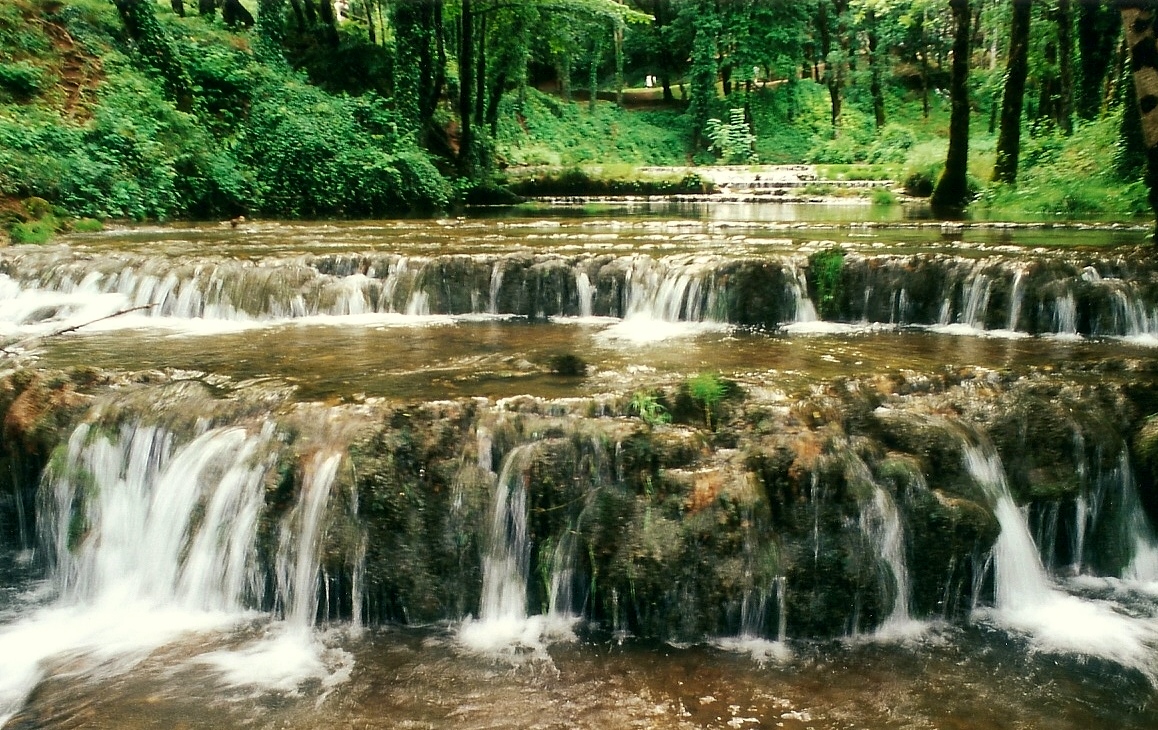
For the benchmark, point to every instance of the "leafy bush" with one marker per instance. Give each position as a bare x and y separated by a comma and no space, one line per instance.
707,390
648,408
891,145
21,79
313,155
733,141
826,267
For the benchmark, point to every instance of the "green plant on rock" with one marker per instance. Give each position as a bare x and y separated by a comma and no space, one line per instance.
707,390
646,406
826,267
733,140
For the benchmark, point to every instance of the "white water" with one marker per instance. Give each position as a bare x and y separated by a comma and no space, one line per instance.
155,541
503,625
1028,602
882,521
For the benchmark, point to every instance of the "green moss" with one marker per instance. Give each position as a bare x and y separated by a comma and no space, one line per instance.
826,267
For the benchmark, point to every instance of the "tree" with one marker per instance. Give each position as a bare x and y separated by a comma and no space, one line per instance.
1099,28
951,195
157,49
1012,100
1139,18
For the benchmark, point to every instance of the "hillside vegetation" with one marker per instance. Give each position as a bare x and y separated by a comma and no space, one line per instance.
279,120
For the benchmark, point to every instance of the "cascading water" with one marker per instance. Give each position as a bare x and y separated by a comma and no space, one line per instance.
151,540
882,521
1027,601
502,622
154,539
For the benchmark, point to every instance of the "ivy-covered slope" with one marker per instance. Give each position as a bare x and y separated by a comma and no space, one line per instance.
87,124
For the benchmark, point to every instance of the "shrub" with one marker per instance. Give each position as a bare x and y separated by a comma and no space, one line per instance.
826,267
21,79
707,390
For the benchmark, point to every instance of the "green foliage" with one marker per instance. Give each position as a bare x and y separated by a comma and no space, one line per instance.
88,225
547,131
34,232
826,267
625,180
884,196
733,141
568,364
646,406
707,389
21,79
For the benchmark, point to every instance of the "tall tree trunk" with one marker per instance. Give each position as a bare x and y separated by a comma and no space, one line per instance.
1099,29
299,18
1138,18
924,65
951,195
178,7
593,73
370,29
618,38
235,14
830,74
329,22
311,12
1065,41
1013,100
480,71
207,8
157,49
465,105
563,73
875,70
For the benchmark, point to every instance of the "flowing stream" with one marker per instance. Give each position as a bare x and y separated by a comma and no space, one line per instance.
334,475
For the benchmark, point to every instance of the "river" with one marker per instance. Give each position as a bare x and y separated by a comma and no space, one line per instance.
349,474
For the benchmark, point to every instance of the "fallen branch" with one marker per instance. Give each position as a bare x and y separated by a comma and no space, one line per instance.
11,348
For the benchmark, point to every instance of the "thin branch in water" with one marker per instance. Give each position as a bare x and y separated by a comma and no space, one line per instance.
11,348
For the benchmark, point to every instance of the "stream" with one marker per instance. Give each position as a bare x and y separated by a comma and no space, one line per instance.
349,475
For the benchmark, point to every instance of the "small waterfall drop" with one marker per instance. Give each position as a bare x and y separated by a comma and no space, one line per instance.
1028,602
298,560
503,623
882,521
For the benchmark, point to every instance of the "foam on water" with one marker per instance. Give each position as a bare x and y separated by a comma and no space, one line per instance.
641,331
282,661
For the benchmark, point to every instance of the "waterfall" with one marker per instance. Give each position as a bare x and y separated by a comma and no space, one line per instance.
1016,297
882,522
586,294
1028,602
502,621
159,526
152,540
804,308
1065,315
1138,534
1019,577
495,287
298,560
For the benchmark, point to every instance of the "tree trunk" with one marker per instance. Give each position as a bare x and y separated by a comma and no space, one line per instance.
299,18
951,196
465,105
235,14
311,12
178,7
563,72
157,49
1138,18
593,73
618,37
480,72
924,67
1013,100
329,22
1065,41
1099,28
207,8
875,70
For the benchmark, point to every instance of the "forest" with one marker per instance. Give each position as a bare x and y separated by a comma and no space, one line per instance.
144,110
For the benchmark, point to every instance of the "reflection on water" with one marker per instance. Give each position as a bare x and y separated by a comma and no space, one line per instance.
444,357
419,678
